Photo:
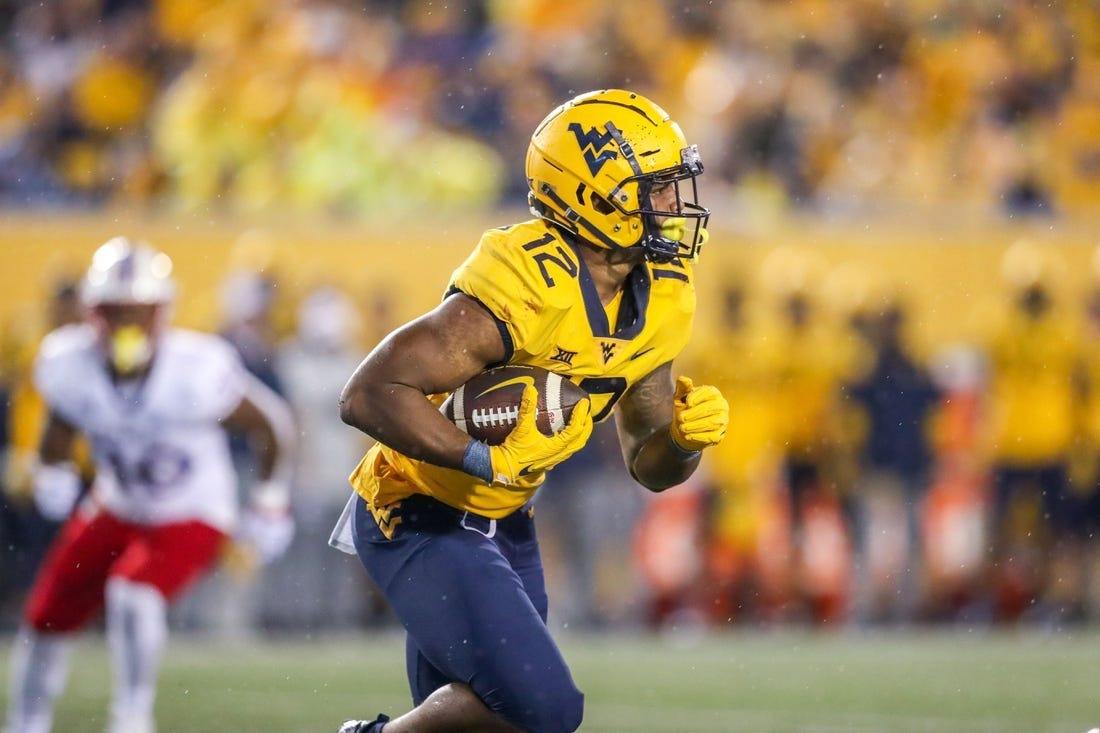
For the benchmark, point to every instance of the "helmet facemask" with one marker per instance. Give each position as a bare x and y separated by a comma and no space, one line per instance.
679,232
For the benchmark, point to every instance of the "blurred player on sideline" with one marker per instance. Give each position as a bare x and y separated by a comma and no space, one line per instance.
1034,354
599,287
156,403
26,534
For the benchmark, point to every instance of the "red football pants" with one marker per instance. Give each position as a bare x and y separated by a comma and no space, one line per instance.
69,589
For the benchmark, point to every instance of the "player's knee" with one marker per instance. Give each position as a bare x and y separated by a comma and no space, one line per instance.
557,710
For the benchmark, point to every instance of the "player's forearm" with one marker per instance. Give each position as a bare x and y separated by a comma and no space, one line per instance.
402,418
643,418
56,443
274,438
266,419
659,464
386,395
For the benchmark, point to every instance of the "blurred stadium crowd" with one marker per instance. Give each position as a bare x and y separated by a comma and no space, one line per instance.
867,479
371,106
864,480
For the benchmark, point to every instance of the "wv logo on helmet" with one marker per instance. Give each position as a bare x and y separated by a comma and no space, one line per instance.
592,143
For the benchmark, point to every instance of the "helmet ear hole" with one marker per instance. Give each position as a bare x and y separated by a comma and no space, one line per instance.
602,205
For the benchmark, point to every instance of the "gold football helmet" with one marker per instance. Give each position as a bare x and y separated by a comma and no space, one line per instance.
593,163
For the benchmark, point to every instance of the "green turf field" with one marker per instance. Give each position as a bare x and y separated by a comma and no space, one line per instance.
785,682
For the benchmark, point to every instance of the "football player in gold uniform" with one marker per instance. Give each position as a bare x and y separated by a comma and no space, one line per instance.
599,288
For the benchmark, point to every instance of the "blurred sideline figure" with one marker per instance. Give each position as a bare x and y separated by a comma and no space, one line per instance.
249,323
155,403
1080,550
743,570
313,587
893,398
25,532
1033,356
954,515
806,361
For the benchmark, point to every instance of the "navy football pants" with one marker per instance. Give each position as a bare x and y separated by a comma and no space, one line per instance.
472,597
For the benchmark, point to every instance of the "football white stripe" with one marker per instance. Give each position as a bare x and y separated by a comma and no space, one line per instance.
553,401
458,400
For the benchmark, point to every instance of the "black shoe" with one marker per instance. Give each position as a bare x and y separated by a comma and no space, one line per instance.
364,726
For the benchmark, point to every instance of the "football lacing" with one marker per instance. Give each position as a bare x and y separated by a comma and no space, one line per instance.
494,416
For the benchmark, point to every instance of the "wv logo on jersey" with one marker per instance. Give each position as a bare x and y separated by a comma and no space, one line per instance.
608,351
592,143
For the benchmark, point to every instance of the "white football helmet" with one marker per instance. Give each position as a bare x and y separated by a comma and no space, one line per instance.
123,271
128,291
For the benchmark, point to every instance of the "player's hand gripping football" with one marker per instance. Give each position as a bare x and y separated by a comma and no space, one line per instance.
699,416
526,450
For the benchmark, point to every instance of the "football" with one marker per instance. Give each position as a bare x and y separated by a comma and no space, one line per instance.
487,406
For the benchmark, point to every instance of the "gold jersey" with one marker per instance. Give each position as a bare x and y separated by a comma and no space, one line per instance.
535,283
1033,404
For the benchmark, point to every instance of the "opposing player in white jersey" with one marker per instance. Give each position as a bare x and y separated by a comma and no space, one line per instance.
156,403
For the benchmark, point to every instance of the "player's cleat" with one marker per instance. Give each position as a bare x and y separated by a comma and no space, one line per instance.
364,726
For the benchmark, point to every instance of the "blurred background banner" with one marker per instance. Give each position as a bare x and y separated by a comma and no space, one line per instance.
900,295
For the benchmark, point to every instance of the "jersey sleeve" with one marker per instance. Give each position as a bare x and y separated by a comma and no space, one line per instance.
502,277
57,369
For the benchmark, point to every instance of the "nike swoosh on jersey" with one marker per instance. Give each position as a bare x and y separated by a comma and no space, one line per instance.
642,352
